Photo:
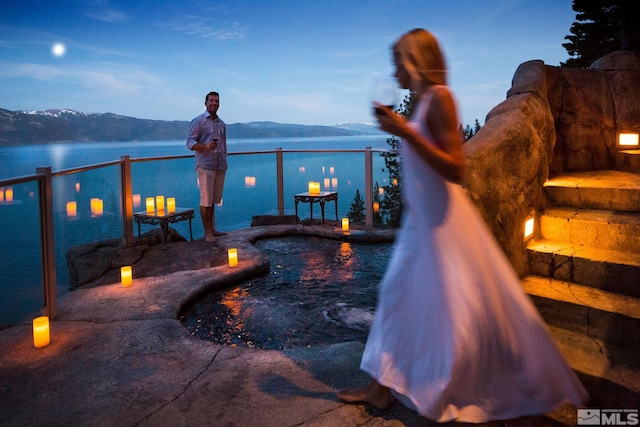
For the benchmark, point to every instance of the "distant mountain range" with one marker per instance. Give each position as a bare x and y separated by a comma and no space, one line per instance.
52,126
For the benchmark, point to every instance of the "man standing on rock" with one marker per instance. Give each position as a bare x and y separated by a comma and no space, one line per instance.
208,138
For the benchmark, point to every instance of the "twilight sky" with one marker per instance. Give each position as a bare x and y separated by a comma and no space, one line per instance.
288,61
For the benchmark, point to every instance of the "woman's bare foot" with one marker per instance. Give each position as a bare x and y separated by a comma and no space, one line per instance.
374,394
209,239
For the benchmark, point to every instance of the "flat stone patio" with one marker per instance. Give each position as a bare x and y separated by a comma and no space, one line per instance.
119,356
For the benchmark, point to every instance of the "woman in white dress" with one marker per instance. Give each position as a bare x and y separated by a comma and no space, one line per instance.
454,336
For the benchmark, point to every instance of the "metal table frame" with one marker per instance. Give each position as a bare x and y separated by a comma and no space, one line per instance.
311,198
163,218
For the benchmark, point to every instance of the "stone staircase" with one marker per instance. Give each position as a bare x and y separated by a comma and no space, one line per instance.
585,281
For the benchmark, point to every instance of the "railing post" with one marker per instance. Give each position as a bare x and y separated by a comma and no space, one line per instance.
45,190
280,175
127,200
368,184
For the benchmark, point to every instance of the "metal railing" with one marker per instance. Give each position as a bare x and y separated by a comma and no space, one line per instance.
44,179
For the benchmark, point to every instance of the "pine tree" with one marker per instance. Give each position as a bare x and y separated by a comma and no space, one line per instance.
602,27
356,212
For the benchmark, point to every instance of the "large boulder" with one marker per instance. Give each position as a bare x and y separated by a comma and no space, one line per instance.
554,120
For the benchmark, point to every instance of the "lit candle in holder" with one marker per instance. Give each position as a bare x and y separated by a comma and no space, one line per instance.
171,205
96,206
136,200
72,209
334,182
41,334
233,257
151,207
1,194
126,276
77,187
327,183
314,187
376,207
345,224
8,194
160,203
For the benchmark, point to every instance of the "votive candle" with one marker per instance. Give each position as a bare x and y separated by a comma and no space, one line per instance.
160,203
8,194
136,200
233,257
72,209
126,276
345,224
41,333
376,207
314,187
171,205
151,207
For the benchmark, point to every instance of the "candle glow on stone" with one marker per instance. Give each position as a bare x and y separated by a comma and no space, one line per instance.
233,257
41,333
126,276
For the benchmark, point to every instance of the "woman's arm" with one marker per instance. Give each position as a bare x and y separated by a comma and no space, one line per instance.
446,155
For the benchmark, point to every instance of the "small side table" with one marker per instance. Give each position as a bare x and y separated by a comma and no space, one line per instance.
321,197
163,218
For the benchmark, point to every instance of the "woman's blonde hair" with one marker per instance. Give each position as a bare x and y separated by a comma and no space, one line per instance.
419,53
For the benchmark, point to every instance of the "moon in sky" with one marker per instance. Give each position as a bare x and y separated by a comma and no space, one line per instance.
58,49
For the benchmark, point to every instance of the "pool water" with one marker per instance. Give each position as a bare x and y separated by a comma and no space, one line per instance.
318,292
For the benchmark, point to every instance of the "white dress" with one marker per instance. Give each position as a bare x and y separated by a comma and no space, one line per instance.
454,335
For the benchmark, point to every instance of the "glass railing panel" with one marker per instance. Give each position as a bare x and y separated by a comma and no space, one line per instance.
21,292
335,171
87,208
171,178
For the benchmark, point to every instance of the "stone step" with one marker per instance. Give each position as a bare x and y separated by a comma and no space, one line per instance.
609,189
602,229
610,317
611,374
608,270
628,160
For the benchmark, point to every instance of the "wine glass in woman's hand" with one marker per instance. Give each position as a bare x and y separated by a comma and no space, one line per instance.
385,91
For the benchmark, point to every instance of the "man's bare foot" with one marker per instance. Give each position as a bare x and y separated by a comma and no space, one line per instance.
209,239
373,394
218,233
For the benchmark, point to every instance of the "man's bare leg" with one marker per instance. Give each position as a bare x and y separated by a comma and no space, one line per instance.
207,221
374,394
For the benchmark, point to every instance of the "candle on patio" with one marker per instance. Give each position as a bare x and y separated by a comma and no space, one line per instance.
72,209
345,224
314,187
233,257
8,194
160,203
171,205
41,333
151,207
126,276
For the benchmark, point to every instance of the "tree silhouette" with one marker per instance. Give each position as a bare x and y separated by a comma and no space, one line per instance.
602,27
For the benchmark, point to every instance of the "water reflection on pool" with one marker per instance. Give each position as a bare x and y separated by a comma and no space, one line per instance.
318,292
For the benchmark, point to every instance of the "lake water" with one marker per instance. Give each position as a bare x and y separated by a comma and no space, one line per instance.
250,189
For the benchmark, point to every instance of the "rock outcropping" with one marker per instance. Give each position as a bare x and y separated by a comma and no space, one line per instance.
554,120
